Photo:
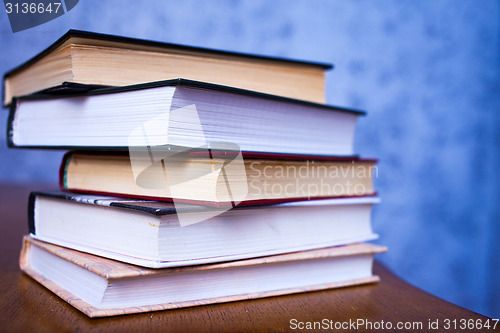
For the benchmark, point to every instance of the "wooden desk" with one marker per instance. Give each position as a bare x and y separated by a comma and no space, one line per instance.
26,306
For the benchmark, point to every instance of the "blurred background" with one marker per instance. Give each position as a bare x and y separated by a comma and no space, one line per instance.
427,72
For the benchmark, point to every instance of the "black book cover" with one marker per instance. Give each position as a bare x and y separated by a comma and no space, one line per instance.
69,88
145,206
175,82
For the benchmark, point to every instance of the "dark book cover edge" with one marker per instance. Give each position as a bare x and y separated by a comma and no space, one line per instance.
10,123
74,196
31,213
215,153
213,204
67,88
179,82
137,41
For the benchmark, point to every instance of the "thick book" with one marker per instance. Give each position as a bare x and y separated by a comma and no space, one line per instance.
150,233
181,113
81,57
216,179
101,287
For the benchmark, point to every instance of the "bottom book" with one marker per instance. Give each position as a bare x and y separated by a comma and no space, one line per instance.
102,287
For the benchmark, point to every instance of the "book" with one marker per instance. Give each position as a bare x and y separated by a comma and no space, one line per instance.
101,287
181,113
83,57
150,234
211,180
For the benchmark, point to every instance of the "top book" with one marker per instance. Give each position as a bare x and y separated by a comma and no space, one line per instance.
88,58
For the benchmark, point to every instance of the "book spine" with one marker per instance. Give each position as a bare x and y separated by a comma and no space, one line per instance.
10,123
63,170
31,213
23,257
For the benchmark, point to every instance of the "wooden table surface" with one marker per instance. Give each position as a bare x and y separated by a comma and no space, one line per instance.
26,306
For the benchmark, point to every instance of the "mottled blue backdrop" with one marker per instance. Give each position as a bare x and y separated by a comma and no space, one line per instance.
427,72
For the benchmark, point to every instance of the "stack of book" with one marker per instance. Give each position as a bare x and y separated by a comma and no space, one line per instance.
194,176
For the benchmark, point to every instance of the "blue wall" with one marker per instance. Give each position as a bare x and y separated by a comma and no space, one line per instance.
428,73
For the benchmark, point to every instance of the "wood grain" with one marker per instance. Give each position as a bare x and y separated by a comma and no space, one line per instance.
26,306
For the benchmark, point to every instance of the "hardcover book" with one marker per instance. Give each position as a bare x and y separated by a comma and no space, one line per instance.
101,287
149,233
81,57
213,180
181,113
